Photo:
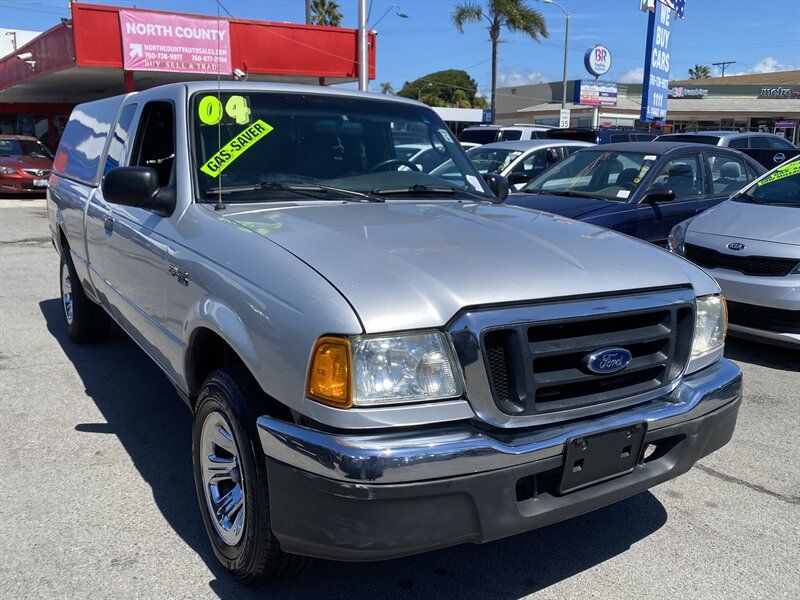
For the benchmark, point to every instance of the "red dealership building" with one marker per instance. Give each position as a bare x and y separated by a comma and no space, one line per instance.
84,58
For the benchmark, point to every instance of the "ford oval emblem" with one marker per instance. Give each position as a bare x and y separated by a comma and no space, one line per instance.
736,246
608,360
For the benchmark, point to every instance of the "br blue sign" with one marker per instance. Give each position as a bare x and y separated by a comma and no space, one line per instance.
608,360
655,87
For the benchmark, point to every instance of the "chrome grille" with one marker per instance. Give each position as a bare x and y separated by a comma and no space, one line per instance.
37,172
533,359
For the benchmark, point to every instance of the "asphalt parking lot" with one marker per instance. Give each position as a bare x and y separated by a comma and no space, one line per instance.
98,499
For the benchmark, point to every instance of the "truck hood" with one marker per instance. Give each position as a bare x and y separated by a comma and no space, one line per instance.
745,220
572,207
411,265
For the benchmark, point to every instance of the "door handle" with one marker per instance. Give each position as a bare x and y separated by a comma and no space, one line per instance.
108,224
779,157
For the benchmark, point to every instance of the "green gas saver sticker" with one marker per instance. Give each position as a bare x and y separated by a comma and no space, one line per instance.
792,168
245,140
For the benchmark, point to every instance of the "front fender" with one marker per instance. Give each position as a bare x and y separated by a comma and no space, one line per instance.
214,315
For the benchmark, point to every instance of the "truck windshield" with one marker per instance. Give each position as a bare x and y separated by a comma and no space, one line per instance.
24,148
781,187
594,173
248,142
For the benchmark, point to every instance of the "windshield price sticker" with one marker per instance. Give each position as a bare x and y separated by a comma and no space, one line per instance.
235,148
781,172
209,110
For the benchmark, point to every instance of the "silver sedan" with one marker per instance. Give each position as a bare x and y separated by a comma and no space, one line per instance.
751,245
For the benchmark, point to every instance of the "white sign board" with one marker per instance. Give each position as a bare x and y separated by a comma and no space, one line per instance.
563,118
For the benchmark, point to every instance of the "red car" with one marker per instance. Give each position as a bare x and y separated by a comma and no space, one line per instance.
25,164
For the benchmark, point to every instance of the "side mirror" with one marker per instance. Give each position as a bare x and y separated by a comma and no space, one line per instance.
499,186
660,195
137,186
518,177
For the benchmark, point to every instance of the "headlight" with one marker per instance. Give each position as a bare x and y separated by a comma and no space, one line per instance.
7,170
710,325
380,370
677,238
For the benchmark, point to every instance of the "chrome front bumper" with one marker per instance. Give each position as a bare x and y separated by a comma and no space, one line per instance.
414,455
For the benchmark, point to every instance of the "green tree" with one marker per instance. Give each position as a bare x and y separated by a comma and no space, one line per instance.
325,12
513,15
699,72
452,87
386,88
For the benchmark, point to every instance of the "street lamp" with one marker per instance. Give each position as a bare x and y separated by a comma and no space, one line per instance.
566,47
363,50
397,12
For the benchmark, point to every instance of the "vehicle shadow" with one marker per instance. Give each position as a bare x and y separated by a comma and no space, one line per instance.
142,409
764,355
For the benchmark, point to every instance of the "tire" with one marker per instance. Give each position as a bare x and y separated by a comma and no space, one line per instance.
242,539
85,320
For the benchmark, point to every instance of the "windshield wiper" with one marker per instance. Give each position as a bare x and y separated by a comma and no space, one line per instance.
747,197
572,194
308,189
419,188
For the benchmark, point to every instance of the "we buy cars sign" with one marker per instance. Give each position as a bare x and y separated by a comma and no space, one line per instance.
168,42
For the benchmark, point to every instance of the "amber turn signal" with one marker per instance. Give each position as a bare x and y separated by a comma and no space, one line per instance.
329,372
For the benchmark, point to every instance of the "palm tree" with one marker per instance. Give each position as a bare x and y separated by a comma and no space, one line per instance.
325,12
386,88
699,72
514,15
308,12
460,99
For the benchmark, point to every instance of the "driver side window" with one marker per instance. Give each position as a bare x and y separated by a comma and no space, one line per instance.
682,175
155,140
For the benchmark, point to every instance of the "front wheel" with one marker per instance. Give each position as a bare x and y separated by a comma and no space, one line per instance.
231,479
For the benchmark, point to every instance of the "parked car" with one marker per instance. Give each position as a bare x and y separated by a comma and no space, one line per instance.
349,334
510,133
423,157
480,134
601,135
642,189
25,164
519,162
767,148
468,145
751,245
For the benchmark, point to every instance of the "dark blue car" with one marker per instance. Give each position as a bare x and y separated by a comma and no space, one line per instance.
642,189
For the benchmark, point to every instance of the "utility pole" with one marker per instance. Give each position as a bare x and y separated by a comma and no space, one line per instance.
363,49
566,49
724,64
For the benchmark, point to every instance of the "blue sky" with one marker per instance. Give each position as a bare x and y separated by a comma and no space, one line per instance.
760,35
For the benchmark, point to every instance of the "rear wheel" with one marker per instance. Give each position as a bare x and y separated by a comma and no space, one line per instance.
231,479
86,321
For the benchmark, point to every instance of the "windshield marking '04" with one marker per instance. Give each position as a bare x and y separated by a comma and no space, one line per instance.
346,144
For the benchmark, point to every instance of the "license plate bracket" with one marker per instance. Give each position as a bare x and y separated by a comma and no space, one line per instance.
590,459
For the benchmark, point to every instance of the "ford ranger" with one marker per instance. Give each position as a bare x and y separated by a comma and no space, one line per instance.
379,361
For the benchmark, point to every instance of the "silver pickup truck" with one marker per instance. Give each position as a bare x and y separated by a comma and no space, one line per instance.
379,361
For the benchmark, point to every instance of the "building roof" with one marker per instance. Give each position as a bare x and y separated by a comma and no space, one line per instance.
623,104
81,59
774,78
